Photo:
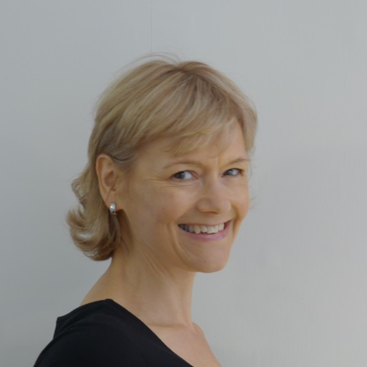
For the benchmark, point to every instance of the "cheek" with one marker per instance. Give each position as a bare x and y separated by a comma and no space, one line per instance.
165,206
243,202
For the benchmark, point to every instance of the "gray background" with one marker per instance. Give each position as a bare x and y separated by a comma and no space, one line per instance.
294,291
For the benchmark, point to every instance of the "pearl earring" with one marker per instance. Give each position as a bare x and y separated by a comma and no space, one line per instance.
113,209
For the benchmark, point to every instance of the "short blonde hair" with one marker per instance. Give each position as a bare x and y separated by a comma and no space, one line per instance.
186,101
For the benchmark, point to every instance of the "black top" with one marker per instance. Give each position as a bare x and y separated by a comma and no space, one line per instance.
105,334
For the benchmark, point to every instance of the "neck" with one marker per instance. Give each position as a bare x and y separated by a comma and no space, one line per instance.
158,296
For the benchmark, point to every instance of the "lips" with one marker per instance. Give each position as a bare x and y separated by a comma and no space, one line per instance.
199,228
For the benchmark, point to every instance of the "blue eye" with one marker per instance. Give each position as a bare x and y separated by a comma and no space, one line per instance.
233,172
183,175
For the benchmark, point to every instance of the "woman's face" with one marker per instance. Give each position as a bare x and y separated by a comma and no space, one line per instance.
185,211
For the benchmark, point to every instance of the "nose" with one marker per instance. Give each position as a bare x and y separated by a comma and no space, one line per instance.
214,198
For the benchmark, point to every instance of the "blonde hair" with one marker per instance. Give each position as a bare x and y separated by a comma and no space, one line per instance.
186,101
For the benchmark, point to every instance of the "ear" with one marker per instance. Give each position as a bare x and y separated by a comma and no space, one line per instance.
108,174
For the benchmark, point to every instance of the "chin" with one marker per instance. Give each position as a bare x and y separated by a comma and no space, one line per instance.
212,269
212,265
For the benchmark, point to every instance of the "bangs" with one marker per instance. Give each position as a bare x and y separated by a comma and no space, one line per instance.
214,135
191,114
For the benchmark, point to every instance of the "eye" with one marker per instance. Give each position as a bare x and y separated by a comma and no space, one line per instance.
183,175
233,172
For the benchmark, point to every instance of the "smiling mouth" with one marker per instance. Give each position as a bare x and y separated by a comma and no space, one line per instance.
197,229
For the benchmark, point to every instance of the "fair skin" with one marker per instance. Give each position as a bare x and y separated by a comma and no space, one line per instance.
164,205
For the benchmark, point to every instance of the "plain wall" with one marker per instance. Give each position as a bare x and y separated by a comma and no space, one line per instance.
294,291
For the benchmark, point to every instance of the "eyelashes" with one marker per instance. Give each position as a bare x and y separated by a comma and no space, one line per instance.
234,172
189,175
183,175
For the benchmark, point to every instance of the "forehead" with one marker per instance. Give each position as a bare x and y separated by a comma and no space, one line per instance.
229,142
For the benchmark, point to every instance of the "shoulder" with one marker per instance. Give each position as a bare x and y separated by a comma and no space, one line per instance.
93,335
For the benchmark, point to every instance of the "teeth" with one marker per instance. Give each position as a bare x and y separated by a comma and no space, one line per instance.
213,229
202,229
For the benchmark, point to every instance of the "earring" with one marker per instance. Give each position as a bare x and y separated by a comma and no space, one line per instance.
113,209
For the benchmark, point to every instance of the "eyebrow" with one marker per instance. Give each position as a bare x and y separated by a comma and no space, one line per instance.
198,163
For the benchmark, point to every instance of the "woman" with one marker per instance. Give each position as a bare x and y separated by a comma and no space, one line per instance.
163,195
